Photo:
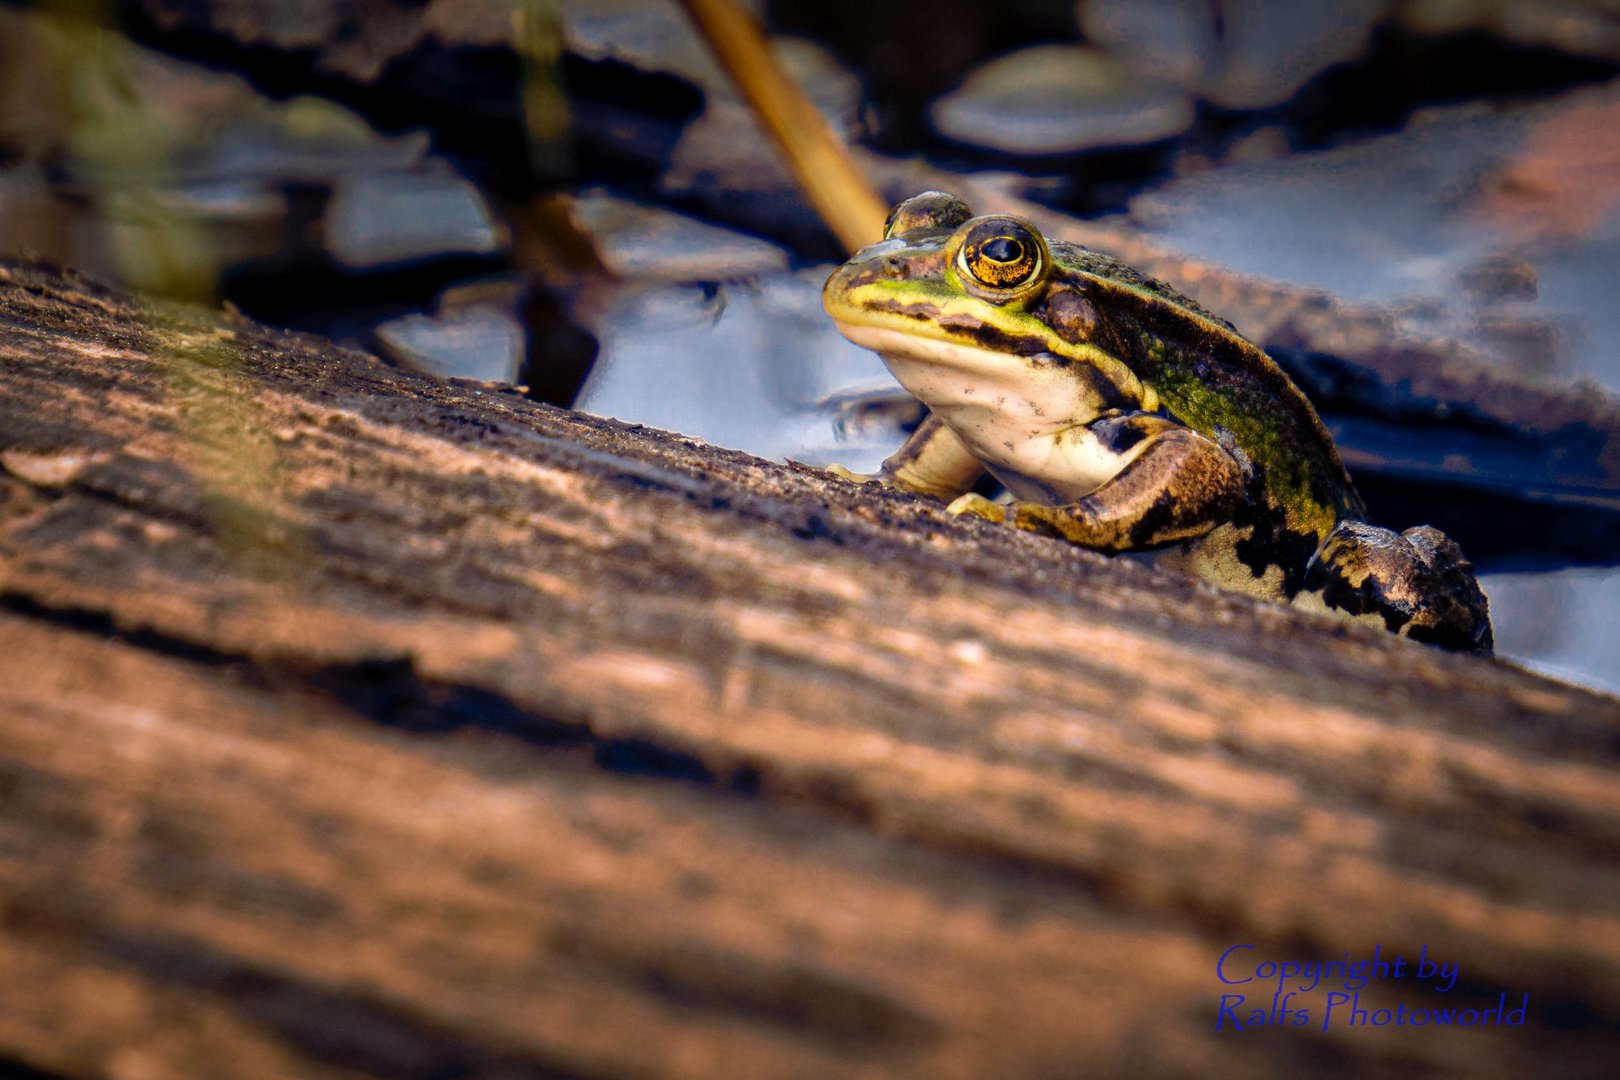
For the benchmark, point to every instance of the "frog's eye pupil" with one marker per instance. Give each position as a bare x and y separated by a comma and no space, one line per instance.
1003,249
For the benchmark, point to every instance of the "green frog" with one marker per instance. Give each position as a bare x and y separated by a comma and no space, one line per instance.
1123,417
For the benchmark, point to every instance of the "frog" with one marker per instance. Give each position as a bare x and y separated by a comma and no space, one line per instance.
1119,415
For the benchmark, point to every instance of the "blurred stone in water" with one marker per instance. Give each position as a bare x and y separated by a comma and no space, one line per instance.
1271,48
1059,99
1166,40
376,219
481,342
163,174
1578,27
656,36
649,35
309,141
637,241
1258,53
725,158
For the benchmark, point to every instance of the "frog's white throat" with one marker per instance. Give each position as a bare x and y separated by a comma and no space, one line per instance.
1017,414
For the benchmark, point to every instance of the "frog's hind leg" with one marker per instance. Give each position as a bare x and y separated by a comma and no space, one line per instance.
1417,581
1175,485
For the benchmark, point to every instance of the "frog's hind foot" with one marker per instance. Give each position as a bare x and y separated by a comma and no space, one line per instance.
1417,581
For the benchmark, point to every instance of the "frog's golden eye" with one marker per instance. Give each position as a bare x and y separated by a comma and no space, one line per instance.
933,211
1001,254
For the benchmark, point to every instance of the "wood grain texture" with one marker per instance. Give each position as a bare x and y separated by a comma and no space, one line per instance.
358,724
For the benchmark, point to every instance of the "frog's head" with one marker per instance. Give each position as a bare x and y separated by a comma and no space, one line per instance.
958,304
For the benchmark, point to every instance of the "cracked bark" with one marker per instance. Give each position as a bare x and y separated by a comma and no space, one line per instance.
353,723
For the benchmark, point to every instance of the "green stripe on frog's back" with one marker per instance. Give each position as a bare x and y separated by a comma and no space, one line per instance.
1183,351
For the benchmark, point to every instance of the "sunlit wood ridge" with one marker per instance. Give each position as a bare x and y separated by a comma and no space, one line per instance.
821,163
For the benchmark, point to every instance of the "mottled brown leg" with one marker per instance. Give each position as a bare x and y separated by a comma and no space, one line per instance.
1181,485
1417,581
932,462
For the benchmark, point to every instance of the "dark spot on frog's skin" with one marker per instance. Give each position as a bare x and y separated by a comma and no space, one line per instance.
988,337
1327,492
1270,541
995,339
1123,436
1106,394
1369,596
1154,519
888,268
1450,637
1443,636
919,311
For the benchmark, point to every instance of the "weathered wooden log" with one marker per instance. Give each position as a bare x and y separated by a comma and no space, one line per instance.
353,723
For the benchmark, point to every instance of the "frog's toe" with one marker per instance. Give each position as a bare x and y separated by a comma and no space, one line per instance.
852,476
978,506
1418,582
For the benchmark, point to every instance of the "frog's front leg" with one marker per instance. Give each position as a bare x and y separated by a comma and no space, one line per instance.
1175,485
932,462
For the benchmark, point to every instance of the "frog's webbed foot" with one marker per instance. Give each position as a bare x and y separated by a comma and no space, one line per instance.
1417,581
975,505
1180,486
852,476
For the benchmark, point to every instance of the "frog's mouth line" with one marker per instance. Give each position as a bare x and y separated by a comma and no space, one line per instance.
887,342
